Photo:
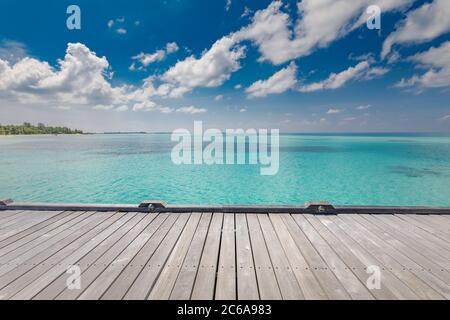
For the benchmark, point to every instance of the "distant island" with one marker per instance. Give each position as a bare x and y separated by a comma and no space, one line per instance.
40,128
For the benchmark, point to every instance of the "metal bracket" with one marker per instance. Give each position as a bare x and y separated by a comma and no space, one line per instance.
5,202
322,207
153,204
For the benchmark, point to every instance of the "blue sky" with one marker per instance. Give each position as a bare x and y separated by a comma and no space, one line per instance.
160,65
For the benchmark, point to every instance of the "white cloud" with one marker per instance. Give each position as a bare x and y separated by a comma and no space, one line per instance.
121,30
320,23
12,51
279,82
337,80
247,12
122,108
421,25
375,72
103,107
437,61
228,5
172,47
145,59
82,79
144,106
191,110
334,111
212,69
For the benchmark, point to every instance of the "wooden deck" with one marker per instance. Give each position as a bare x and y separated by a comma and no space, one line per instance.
204,255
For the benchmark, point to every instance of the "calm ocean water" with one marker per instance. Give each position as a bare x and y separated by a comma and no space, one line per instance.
345,169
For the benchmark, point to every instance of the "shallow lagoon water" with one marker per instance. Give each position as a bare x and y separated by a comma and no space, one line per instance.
343,169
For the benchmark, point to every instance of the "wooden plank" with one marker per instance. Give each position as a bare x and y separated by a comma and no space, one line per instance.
25,223
389,280
22,275
184,284
226,271
166,280
8,215
205,280
416,243
141,288
114,282
92,264
247,286
265,274
290,290
434,222
411,257
387,254
26,218
352,262
308,283
34,233
440,237
441,220
414,230
19,216
331,285
99,277
349,281
41,276
46,245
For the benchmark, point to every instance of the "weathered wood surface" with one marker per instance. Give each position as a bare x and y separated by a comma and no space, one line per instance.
216,255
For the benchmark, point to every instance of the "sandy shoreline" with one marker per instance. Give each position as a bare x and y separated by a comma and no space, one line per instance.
37,135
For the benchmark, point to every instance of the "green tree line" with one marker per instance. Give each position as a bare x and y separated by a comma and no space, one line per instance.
28,128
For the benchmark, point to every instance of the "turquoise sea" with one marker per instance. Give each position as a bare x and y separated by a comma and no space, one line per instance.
388,169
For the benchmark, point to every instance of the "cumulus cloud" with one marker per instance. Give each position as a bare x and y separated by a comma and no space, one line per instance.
212,69
172,47
437,61
228,5
334,111
191,110
145,59
81,79
279,39
337,80
279,82
420,25
12,51
122,108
